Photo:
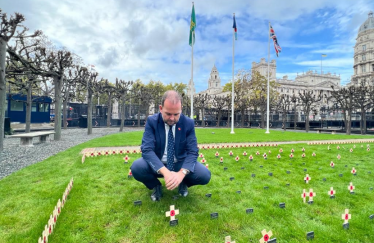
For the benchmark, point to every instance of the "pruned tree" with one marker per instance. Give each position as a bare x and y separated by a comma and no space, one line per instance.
362,100
308,100
122,96
283,106
344,97
219,103
8,27
110,90
201,101
295,101
157,89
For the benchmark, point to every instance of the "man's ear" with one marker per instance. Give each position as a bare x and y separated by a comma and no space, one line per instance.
160,107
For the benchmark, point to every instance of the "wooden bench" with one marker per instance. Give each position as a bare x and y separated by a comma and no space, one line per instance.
26,138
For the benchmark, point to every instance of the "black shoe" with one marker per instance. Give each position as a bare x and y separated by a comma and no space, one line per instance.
157,193
183,190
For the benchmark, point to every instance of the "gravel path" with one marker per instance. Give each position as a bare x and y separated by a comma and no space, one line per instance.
15,157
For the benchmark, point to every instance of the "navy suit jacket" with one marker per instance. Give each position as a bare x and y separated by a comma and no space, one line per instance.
154,137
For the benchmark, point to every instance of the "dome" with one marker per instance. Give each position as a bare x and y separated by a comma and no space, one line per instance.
368,24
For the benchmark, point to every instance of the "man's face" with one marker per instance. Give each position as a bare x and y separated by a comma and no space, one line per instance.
171,112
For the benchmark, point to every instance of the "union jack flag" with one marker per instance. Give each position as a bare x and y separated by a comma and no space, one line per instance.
274,37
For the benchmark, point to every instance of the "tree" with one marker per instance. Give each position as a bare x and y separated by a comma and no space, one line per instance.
308,100
345,99
8,29
157,89
284,106
110,90
219,103
201,101
122,96
362,100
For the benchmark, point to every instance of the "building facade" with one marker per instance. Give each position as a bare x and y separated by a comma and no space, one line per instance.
363,67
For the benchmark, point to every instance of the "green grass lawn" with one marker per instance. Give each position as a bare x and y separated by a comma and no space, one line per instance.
100,206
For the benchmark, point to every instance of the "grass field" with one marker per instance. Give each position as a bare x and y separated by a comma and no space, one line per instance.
100,206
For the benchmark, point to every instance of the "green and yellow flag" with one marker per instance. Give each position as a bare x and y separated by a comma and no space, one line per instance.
192,27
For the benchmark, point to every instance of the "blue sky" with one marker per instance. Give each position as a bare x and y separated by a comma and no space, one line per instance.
148,39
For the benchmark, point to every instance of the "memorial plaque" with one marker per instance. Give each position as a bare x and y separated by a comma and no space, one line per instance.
273,240
266,187
174,222
371,216
282,205
340,175
305,169
225,168
369,172
288,172
346,166
137,203
310,235
232,178
371,188
352,192
253,175
288,184
242,168
310,202
346,226
214,215
324,179
261,166
250,210
208,195
238,192
304,163
270,174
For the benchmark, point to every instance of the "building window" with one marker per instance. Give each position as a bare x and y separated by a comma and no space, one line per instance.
363,57
43,107
372,66
363,69
16,106
364,47
33,107
355,70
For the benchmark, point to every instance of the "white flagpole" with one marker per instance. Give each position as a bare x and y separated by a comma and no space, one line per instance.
192,93
232,92
267,106
192,117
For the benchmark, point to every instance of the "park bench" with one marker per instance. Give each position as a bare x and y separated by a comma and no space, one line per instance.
26,138
332,130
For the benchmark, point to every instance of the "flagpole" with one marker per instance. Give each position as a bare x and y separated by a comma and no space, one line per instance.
192,92
267,106
192,117
232,92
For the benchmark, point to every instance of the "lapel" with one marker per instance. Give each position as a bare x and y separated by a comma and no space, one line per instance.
161,131
178,129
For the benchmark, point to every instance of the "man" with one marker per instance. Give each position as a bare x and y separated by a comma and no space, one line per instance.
169,150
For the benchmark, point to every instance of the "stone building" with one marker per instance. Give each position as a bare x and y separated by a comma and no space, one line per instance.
363,67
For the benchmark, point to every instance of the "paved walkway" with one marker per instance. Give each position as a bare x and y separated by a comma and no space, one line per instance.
234,145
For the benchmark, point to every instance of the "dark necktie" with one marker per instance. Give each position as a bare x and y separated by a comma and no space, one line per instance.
170,157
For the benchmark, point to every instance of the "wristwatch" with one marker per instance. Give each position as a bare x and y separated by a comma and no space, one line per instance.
185,172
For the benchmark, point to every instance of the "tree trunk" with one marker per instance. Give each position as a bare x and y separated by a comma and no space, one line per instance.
123,110
58,82
219,117
284,115
307,120
109,109
348,123
262,119
65,113
89,113
139,112
202,118
364,123
28,107
242,120
2,91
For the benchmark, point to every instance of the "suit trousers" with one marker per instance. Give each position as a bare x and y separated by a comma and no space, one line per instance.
143,172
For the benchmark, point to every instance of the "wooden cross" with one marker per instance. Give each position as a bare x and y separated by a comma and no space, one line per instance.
237,158
314,154
278,156
230,153
311,195
203,161
332,164
307,178
265,156
351,150
265,236
280,150
338,156
221,160
291,156
303,155
303,195
172,213
346,216
292,150
351,187
207,166
331,192
353,171
217,154
303,149
201,155
228,239
257,153
245,153
251,157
